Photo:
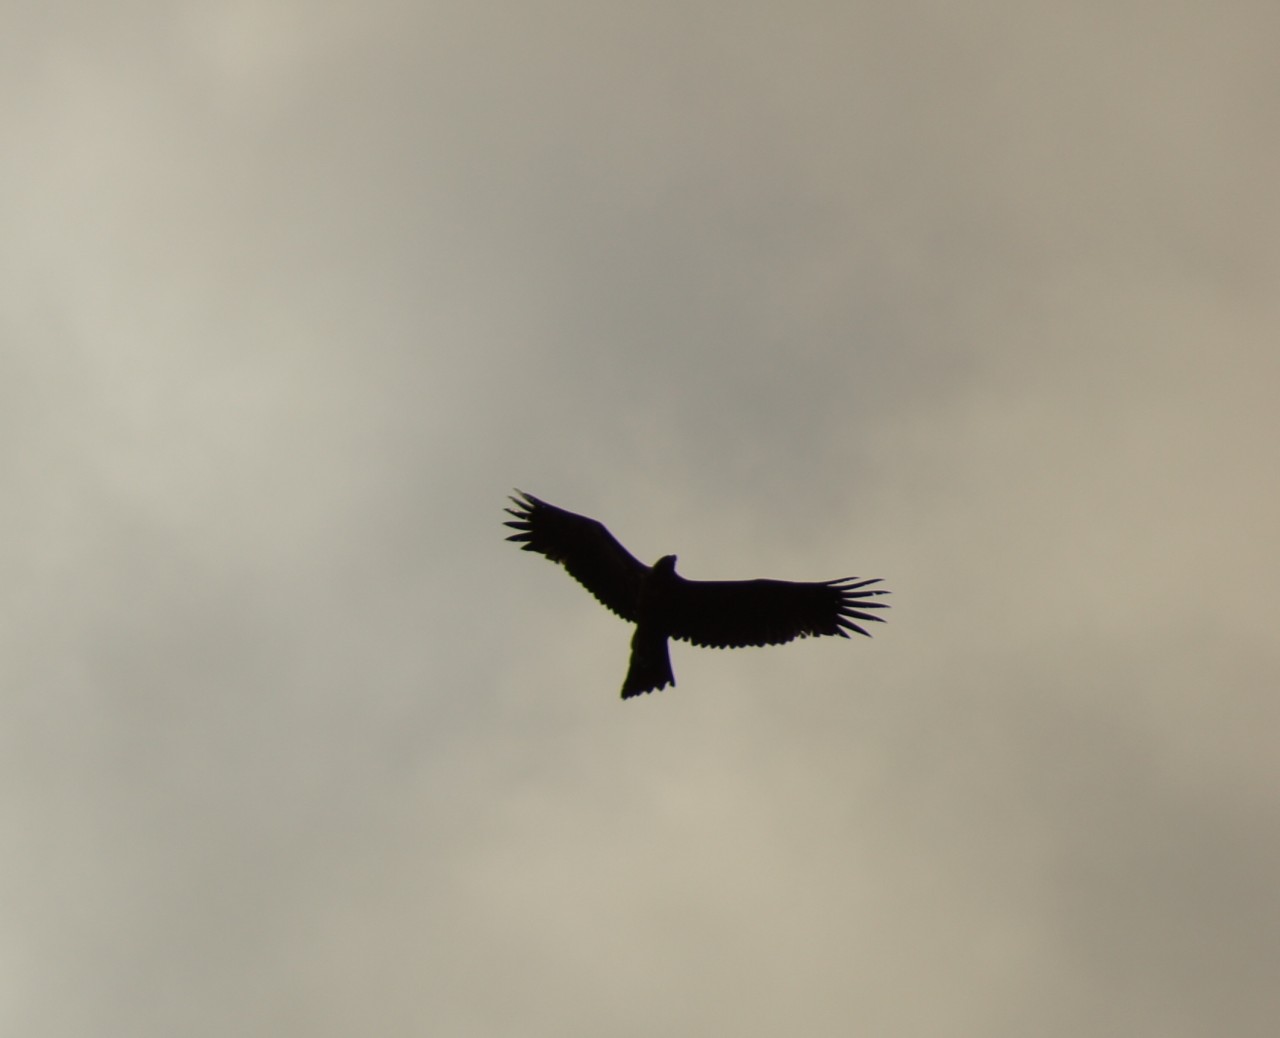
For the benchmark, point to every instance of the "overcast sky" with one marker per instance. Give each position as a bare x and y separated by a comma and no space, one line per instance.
983,299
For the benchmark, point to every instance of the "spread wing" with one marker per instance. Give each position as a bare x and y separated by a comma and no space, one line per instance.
584,547
725,614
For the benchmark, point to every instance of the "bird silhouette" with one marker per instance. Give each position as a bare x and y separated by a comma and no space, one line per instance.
721,614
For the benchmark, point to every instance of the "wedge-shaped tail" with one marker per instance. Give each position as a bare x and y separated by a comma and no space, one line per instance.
650,668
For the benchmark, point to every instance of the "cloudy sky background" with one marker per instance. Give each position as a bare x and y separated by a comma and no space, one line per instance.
982,299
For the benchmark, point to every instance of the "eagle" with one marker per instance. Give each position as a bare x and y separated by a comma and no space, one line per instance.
719,614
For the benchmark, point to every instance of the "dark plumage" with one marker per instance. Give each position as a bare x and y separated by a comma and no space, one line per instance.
662,604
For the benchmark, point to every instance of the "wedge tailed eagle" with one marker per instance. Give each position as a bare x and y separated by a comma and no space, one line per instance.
720,614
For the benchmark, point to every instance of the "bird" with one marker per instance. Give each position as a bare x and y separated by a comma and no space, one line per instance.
662,604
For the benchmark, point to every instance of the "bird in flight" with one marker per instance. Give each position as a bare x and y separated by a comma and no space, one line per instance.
719,614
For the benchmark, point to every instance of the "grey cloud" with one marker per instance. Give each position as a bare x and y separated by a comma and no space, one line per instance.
980,302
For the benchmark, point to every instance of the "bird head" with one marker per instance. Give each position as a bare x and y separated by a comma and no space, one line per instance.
666,564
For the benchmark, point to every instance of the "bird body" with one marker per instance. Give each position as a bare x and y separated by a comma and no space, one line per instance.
663,605
650,667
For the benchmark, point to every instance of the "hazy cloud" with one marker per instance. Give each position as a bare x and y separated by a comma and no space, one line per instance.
981,301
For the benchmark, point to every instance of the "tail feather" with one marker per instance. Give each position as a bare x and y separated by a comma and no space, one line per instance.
650,668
